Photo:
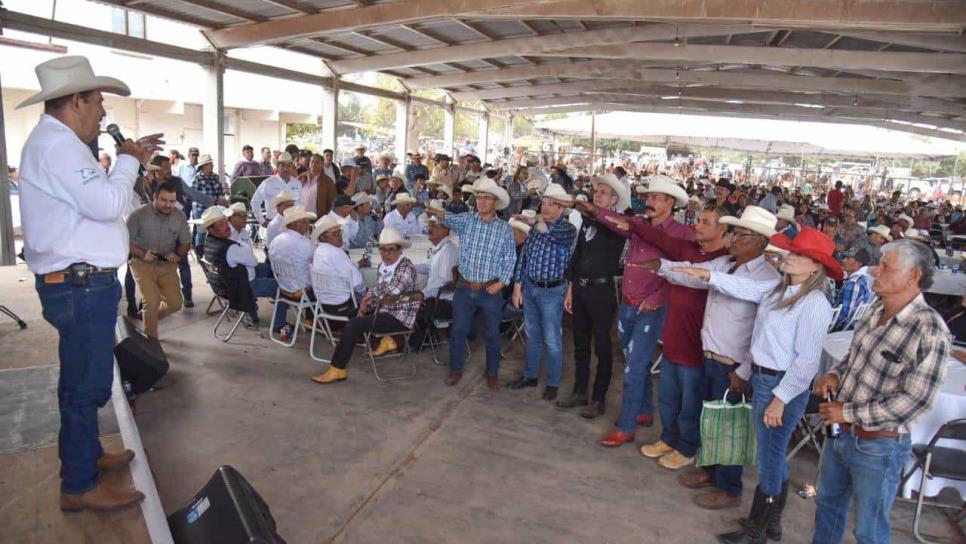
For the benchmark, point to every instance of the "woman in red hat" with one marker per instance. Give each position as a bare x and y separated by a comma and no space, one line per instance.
790,326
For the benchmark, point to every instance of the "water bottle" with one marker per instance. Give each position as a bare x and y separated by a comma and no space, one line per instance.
833,430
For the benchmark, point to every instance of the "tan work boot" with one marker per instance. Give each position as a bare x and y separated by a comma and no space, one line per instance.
717,500
655,450
675,460
331,375
102,498
386,345
113,461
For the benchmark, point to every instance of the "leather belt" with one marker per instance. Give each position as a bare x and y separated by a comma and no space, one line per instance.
767,371
547,284
720,358
476,286
636,302
868,435
584,282
76,274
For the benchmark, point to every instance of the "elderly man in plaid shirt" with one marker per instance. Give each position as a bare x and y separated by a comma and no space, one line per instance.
890,377
207,182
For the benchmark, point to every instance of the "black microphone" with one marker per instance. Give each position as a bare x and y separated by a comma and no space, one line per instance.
115,133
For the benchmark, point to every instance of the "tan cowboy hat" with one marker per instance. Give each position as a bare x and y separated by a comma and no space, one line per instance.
529,214
665,185
447,190
213,215
284,158
754,219
360,199
399,173
787,213
468,188
556,192
281,197
404,198
204,159
519,225
882,231
488,186
907,219
296,213
916,234
239,208
537,183
64,76
436,205
324,225
152,168
391,237
619,187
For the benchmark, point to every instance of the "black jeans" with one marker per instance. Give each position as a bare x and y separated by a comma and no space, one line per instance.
432,308
347,308
354,330
594,307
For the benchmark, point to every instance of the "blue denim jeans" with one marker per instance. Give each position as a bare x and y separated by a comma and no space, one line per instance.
727,478
773,441
466,302
200,233
85,318
184,271
869,471
265,286
543,318
680,396
639,333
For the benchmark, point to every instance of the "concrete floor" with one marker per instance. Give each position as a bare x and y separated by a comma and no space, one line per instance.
412,461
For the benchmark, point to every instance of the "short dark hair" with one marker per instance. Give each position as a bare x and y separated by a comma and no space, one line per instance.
158,159
619,170
55,104
266,147
292,149
247,147
170,185
324,151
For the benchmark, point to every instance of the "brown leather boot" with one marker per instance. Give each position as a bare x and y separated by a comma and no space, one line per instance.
113,461
717,500
493,383
102,498
454,378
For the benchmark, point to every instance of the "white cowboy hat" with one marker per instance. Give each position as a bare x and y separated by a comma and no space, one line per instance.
204,159
519,225
882,231
447,190
436,205
640,189
619,187
284,157
391,237
556,192
404,198
665,185
239,208
213,215
916,234
754,219
325,224
581,198
152,168
488,186
786,212
529,214
907,219
361,198
399,173
775,249
281,197
296,213
64,76
537,183
468,188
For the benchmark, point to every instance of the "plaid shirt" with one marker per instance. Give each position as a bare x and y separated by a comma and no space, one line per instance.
209,185
856,290
402,281
545,254
892,372
487,250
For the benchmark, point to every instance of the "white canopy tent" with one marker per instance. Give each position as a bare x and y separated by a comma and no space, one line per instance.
757,135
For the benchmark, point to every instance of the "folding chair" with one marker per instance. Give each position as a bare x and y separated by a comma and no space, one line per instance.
835,317
218,287
938,462
215,299
285,269
405,352
20,322
327,283
518,326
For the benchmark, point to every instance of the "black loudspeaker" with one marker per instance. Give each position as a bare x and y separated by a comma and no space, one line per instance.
139,358
227,511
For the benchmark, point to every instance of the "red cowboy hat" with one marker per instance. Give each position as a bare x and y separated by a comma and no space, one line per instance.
815,245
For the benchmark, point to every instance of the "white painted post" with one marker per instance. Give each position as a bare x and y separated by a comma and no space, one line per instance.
7,251
330,117
449,128
213,113
402,129
484,147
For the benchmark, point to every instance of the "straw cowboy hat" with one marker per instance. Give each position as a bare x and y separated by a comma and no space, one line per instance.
489,187
213,215
436,205
281,197
786,212
204,159
815,245
556,192
284,158
296,213
907,219
754,219
619,187
468,188
916,234
537,182
239,208
404,198
324,225
882,231
447,190
65,76
665,185
391,237
361,199
399,173
519,225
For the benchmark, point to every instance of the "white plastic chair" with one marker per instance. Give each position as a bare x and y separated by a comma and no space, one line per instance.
327,283
286,270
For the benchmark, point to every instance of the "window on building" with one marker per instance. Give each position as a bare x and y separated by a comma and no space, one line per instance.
127,22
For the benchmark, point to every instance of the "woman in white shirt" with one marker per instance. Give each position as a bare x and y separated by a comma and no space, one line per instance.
791,323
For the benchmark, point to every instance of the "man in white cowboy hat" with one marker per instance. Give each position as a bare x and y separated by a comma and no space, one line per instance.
342,212
284,180
444,257
591,296
397,186
369,225
74,240
786,221
535,186
487,257
294,248
402,218
540,285
414,168
238,221
726,340
207,182
330,259
879,236
280,202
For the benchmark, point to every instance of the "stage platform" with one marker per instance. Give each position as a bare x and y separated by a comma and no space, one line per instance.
360,461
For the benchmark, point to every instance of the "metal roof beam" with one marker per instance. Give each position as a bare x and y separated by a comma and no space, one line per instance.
939,42
212,6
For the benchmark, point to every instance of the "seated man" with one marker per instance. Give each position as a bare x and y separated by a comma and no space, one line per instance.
238,221
281,202
369,225
292,246
438,303
402,219
331,259
159,240
342,212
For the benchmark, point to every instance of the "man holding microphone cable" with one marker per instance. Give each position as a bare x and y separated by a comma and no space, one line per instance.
74,240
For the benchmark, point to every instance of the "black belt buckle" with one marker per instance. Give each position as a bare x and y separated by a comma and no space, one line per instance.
79,273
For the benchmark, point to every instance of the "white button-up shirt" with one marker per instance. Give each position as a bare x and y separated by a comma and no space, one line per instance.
240,235
275,227
267,190
70,209
407,226
243,254
440,268
350,227
333,261
291,247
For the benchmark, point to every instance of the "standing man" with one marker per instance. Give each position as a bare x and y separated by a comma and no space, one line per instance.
591,296
159,241
835,198
416,167
266,163
364,178
187,169
247,166
74,240
890,377
487,256
285,180
208,182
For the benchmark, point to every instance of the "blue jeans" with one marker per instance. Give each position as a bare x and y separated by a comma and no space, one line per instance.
773,441
543,318
727,478
199,232
639,333
869,471
680,396
466,302
184,271
85,318
265,286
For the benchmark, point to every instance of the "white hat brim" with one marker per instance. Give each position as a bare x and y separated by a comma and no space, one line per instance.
622,189
305,215
519,225
763,230
101,83
673,190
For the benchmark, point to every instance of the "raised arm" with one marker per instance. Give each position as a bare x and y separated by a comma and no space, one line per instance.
742,288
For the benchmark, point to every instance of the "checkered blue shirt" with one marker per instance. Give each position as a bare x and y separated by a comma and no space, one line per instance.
856,290
545,254
209,185
487,250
